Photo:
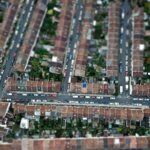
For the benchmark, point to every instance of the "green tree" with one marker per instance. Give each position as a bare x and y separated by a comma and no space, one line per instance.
91,71
35,69
79,123
147,7
41,51
98,31
59,133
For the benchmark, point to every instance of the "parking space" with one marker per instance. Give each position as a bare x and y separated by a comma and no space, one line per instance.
125,49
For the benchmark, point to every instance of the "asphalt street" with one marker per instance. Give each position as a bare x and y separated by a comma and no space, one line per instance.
16,41
125,49
74,37
81,99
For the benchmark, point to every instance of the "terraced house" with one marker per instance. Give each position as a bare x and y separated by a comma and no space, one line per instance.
31,35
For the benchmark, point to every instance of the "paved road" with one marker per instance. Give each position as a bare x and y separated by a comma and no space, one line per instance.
81,99
74,37
125,49
16,41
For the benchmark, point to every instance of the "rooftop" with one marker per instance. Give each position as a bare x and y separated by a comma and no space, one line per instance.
113,38
82,49
7,24
32,86
138,40
101,88
141,90
130,142
83,111
62,34
4,107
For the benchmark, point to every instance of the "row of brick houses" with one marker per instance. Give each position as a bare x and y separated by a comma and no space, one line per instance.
32,86
96,143
7,24
61,36
92,88
141,90
54,86
82,49
138,43
65,111
75,87
31,35
4,109
113,38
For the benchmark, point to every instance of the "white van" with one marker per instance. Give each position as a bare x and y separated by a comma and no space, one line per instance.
75,96
9,94
87,96
8,100
24,94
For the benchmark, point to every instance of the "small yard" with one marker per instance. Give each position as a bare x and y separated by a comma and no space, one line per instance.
99,60
72,127
42,53
99,28
42,72
94,69
96,63
49,25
